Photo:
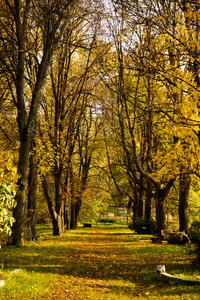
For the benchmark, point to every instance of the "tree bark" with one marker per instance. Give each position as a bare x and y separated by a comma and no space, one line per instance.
184,188
73,218
58,222
75,209
59,206
32,191
57,217
161,215
18,211
135,205
141,199
66,217
148,204
160,197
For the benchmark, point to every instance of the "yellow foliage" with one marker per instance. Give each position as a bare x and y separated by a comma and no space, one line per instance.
8,162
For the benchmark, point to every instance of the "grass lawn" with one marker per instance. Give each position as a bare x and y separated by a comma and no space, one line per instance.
102,262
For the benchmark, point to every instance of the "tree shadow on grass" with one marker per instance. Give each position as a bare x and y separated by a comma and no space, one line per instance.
102,257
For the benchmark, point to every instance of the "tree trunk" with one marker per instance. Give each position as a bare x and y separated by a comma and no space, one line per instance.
148,205
26,136
56,217
72,220
184,188
32,192
161,195
77,210
18,211
161,211
58,222
141,198
161,216
66,217
135,204
59,205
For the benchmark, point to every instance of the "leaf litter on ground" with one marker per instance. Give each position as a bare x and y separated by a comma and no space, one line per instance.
95,263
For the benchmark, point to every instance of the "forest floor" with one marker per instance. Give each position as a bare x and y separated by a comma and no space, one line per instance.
102,262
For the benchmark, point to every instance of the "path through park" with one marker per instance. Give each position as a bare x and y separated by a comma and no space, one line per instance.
98,263
97,258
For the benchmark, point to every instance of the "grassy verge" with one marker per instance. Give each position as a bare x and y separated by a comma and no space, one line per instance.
102,262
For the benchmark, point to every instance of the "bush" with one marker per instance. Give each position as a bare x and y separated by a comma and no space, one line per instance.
7,202
106,221
143,226
194,236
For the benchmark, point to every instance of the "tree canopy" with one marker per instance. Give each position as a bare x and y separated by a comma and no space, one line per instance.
103,99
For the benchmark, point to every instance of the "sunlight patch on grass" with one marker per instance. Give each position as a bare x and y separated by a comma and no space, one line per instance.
95,263
96,289
24,285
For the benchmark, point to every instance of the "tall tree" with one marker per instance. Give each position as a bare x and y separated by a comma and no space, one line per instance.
23,24
175,26
68,114
87,135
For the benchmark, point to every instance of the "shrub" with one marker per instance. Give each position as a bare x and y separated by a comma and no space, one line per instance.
194,236
143,226
7,202
106,221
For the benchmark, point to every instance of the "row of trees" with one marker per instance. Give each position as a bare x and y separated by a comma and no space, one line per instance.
48,55
105,97
156,106
155,109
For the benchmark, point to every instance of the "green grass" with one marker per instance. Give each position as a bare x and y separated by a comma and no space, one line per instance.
102,262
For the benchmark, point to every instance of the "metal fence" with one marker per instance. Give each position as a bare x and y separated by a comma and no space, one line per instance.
115,214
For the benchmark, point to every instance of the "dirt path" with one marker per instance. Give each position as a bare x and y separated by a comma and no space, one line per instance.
96,258
102,249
